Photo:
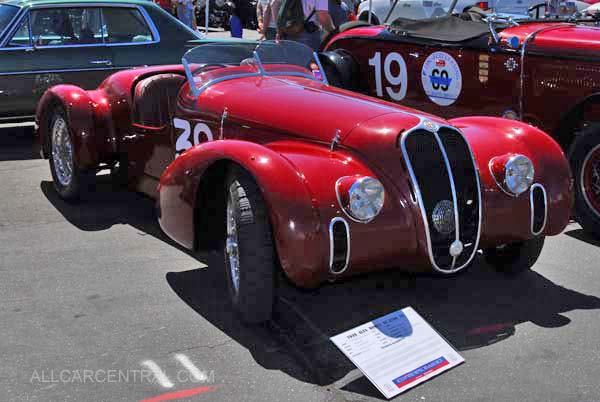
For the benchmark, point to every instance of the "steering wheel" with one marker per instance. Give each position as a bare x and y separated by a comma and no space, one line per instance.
208,66
536,8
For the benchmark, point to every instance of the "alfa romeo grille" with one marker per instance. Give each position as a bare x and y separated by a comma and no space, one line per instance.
434,179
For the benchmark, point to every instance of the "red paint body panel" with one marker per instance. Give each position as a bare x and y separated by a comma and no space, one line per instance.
501,222
564,39
280,130
560,72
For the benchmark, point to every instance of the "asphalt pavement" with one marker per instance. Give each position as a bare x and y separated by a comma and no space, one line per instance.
97,304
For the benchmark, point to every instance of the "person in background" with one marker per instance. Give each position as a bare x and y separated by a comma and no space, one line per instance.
267,25
317,22
339,12
185,11
165,5
235,20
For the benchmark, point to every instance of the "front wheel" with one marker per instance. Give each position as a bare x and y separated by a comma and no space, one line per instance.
69,181
585,165
250,260
515,258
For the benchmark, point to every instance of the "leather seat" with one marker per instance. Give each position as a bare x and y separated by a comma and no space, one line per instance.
154,99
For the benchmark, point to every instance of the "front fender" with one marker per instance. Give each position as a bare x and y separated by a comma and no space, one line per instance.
297,180
80,109
294,218
506,218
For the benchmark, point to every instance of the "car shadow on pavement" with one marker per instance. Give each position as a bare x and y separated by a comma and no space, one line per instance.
581,235
471,310
16,144
107,205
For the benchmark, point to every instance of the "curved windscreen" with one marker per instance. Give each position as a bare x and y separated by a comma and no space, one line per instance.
242,59
433,9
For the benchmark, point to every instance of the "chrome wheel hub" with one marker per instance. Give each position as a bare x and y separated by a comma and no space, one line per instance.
231,243
62,152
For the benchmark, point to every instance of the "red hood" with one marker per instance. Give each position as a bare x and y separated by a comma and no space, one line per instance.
301,107
558,38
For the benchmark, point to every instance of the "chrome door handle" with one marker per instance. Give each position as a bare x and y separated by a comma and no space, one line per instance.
104,62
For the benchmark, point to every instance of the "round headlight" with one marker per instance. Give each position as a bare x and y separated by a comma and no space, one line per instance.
361,198
366,198
518,174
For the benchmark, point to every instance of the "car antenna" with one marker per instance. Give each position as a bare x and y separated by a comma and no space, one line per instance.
335,140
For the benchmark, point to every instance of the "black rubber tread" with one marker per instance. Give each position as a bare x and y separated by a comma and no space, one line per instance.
517,257
82,180
588,138
257,257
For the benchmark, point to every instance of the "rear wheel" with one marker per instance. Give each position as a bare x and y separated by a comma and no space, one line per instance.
250,260
515,258
69,181
585,165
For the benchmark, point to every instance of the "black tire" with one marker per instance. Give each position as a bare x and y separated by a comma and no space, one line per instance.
80,180
257,261
586,144
515,258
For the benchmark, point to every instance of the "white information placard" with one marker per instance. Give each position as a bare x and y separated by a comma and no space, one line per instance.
397,351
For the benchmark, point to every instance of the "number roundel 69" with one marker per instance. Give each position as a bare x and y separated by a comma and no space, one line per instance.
201,133
397,82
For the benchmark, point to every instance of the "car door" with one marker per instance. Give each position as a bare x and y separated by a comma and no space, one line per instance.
49,46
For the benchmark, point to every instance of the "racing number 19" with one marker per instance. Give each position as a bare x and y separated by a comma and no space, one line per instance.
397,82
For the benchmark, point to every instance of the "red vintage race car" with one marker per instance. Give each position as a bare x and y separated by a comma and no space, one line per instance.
247,148
545,72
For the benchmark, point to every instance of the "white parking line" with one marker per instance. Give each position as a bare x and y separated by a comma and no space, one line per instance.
195,372
160,376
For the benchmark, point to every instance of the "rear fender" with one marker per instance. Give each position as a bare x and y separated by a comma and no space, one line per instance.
490,137
81,109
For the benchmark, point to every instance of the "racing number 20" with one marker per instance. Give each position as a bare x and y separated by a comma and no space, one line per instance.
183,140
397,82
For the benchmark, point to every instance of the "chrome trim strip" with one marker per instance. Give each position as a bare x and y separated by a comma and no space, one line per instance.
417,191
331,245
452,188
12,118
582,185
339,200
73,70
528,39
500,186
532,207
221,79
503,186
316,56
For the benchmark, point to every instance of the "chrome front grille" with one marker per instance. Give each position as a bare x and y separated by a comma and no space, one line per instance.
443,170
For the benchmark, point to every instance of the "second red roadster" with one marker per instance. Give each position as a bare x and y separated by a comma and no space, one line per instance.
247,148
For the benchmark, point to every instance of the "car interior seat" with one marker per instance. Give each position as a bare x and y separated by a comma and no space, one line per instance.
154,99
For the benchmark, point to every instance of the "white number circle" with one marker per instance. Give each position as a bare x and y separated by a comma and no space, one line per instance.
441,78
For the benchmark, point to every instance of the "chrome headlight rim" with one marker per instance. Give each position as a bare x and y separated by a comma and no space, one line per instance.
344,193
513,160
499,168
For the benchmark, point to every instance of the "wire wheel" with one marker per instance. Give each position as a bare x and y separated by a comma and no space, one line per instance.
62,151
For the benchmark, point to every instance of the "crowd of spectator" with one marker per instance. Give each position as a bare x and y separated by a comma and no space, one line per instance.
319,17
